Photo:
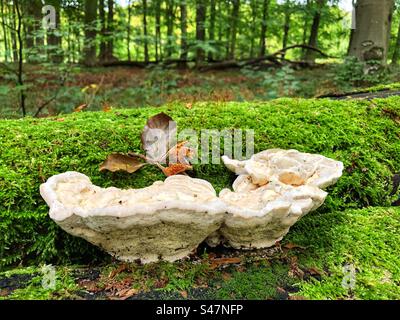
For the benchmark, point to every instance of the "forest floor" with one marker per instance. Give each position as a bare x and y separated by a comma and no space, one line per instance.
66,90
340,255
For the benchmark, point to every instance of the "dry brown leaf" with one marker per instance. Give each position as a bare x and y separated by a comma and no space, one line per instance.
89,285
156,134
297,298
80,108
184,294
4,292
181,153
189,105
117,271
314,271
226,276
291,246
121,162
126,293
107,108
176,168
295,271
215,263
60,119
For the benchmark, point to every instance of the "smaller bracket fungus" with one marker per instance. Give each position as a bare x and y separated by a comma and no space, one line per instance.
274,189
290,167
167,220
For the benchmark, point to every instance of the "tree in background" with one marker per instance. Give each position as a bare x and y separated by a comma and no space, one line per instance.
371,38
90,32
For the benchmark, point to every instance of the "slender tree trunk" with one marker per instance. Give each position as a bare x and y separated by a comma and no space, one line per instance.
253,5
170,26
3,23
396,53
13,34
90,32
211,30
54,39
103,31
145,36
371,37
129,30
305,27
263,45
235,20
184,45
286,27
110,31
201,12
20,57
313,39
157,8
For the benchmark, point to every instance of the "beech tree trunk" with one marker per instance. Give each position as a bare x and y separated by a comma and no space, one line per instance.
200,30
54,39
211,30
310,55
263,45
184,46
235,20
370,40
90,32
146,47
396,52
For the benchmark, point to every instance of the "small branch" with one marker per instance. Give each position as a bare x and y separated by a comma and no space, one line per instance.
54,97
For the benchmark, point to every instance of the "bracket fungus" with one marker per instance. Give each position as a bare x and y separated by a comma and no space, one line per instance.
273,190
167,220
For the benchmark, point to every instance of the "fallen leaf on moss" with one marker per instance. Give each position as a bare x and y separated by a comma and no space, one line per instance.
156,134
184,294
295,271
121,162
117,271
80,108
176,168
215,263
291,246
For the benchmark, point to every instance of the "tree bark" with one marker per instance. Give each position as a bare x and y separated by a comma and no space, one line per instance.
103,31
313,39
200,31
235,20
110,31
211,30
396,53
370,41
286,27
90,32
145,38
170,26
54,39
157,8
184,45
253,5
128,30
5,36
263,45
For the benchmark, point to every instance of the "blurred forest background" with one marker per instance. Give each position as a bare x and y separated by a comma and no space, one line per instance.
104,54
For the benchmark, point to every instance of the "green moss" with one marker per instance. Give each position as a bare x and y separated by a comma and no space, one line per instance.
367,239
355,132
381,87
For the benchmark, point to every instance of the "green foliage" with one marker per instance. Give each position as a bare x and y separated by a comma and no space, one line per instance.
367,239
355,132
357,73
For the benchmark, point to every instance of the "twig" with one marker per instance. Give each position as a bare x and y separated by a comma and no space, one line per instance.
54,97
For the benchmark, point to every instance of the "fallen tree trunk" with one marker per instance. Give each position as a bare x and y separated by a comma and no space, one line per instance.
362,95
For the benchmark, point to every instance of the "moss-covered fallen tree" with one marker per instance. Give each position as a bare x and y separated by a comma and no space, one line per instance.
363,134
